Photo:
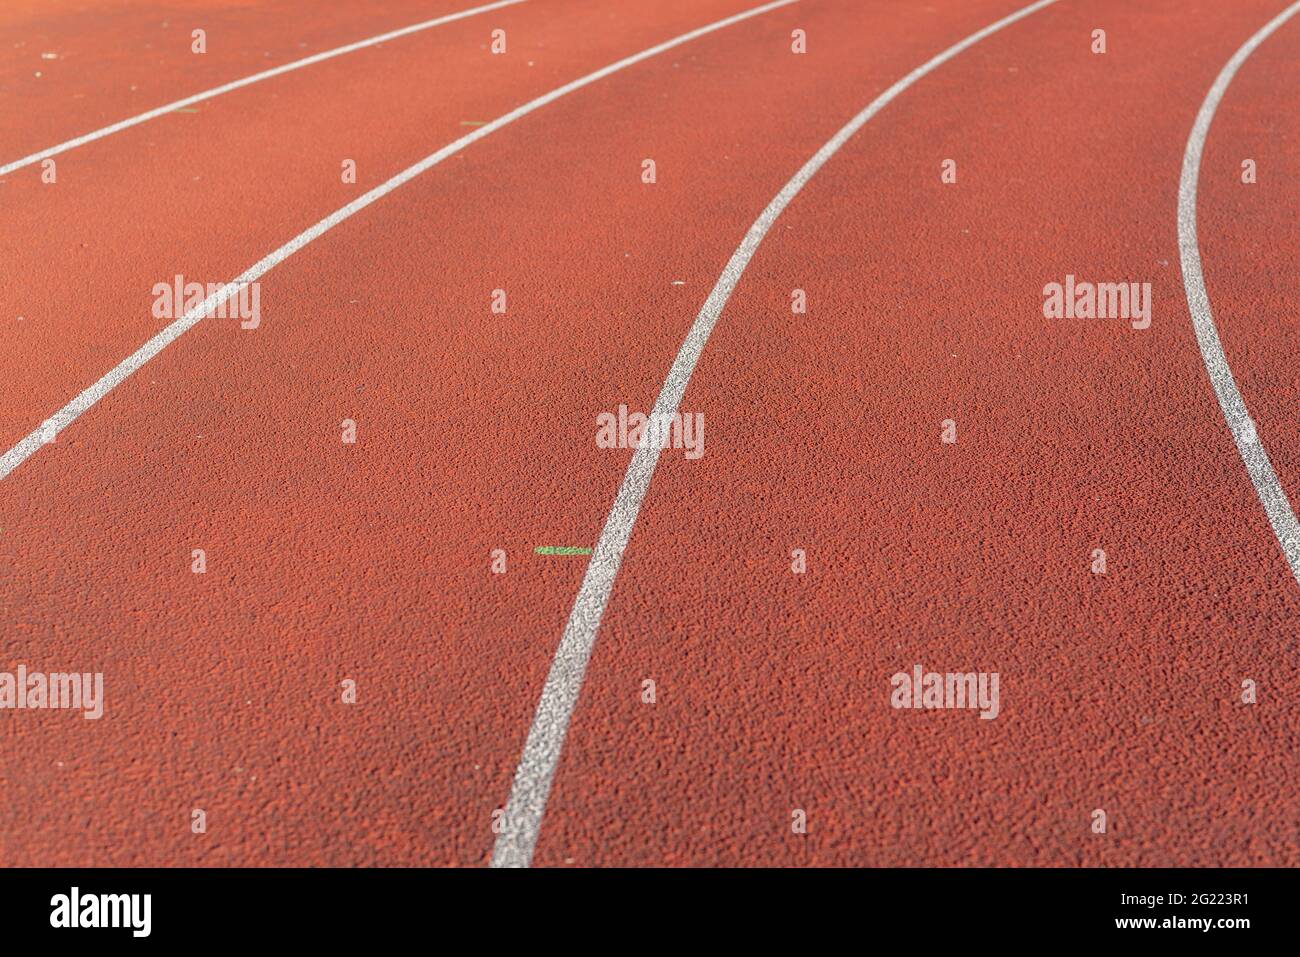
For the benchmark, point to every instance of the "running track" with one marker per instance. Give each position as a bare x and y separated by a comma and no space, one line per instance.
475,432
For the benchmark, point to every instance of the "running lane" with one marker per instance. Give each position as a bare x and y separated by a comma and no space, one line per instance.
372,561
72,66
205,195
1120,693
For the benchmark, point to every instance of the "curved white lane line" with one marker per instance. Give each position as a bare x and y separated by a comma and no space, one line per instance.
1267,488
246,81
69,413
532,783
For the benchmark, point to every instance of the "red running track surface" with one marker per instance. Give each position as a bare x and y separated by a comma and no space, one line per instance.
372,562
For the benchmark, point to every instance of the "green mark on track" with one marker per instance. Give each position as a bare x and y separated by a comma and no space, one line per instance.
561,550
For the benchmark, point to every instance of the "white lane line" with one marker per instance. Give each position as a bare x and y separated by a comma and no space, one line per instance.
532,783
1267,488
248,81
69,413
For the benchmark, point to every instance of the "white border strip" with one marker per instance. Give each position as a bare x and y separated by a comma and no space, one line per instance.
1267,488
46,432
532,783
247,81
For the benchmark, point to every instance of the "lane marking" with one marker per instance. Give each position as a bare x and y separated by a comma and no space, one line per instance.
161,340
561,550
1268,489
532,782
248,81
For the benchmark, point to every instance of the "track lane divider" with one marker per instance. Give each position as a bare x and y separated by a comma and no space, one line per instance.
521,823
1267,488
